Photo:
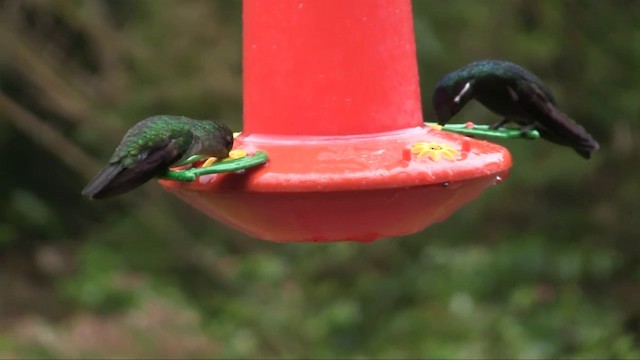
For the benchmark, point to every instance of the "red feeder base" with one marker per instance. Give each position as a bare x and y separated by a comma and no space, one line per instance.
331,94
357,188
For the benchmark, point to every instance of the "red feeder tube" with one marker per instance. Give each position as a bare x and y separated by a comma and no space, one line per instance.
331,94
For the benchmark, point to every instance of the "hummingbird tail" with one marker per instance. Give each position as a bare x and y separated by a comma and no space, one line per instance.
115,180
562,130
96,187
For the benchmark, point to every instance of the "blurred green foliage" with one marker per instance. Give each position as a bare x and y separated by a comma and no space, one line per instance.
544,265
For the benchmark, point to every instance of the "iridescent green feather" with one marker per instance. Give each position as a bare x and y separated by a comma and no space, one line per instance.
145,134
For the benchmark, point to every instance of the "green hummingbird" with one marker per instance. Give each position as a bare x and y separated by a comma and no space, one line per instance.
516,94
154,144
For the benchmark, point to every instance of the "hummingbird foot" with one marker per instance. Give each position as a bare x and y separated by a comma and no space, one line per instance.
500,124
527,128
529,132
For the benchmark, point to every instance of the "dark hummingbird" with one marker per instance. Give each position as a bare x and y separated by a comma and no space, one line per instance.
154,144
514,93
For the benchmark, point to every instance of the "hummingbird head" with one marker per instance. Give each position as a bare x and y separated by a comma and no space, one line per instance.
218,140
449,97
226,143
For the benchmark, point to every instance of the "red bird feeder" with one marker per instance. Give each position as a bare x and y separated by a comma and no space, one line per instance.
331,95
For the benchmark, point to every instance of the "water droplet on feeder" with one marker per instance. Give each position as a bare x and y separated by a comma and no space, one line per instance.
498,180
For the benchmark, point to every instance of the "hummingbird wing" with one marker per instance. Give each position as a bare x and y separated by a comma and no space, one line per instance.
115,179
554,125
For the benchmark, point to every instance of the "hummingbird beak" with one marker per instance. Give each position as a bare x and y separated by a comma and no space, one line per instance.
463,92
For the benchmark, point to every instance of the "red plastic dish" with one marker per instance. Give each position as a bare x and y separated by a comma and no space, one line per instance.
331,94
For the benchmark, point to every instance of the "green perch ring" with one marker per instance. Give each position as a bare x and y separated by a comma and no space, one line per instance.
188,175
471,129
261,157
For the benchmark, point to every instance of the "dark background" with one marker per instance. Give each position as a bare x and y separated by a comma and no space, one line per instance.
544,265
